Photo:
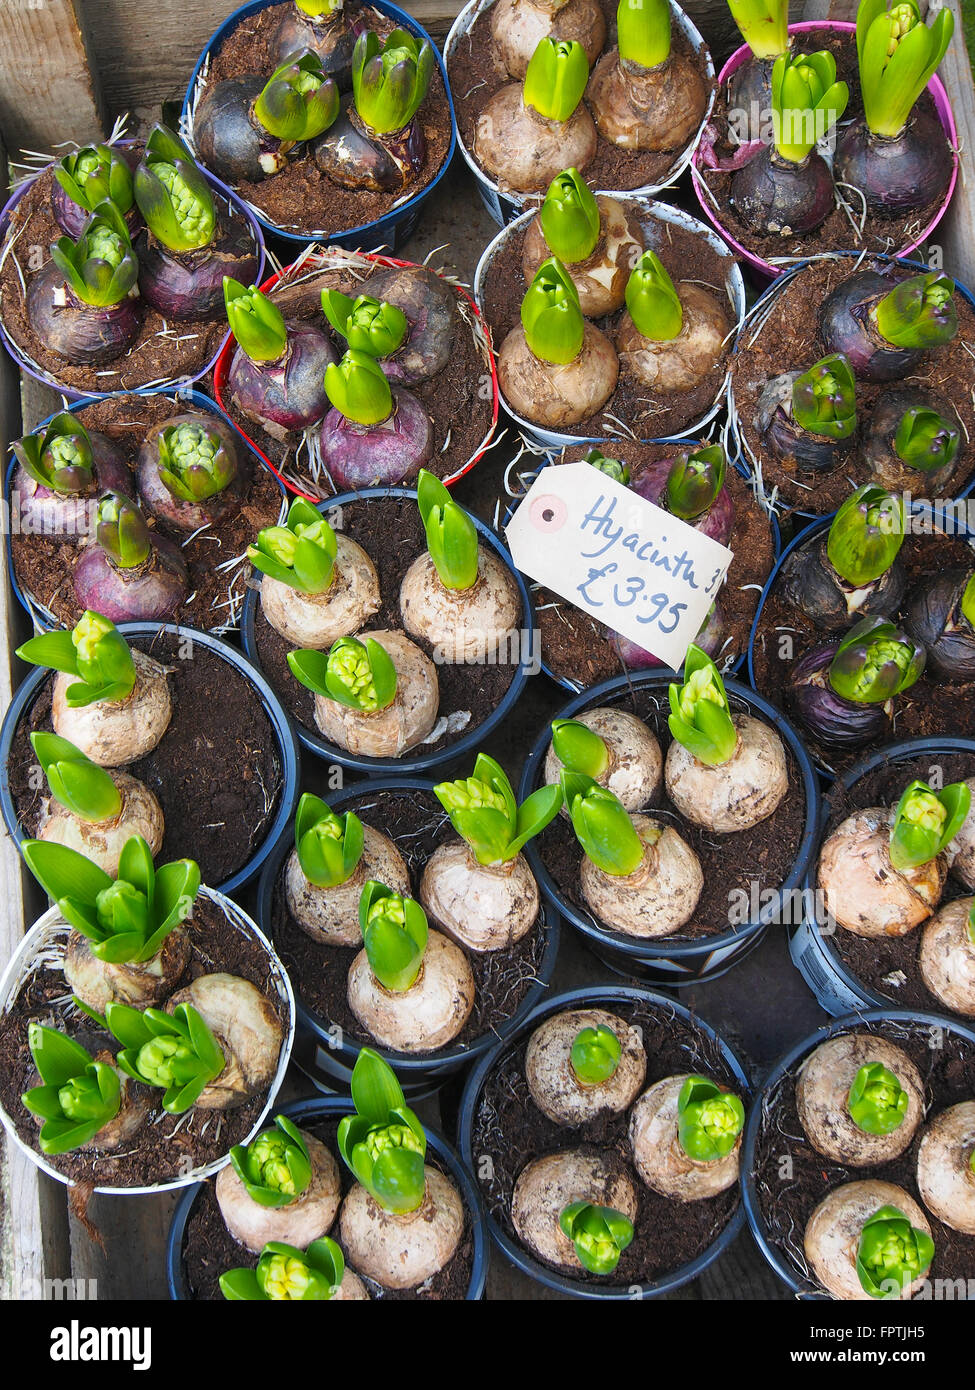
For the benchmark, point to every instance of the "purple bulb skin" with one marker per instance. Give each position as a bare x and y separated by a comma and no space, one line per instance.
286,396
378,455
83,334
155,590
830,719
68,516
717,522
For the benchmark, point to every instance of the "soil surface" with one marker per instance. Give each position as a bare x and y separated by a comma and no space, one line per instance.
788,340
459,399
889,965
509,1132
209,1249
579,649
686,255
216,771
167,1146
736,867
927,710
416,823
390,531
300,198
842,230
476,73
947,1066
44,566
162,354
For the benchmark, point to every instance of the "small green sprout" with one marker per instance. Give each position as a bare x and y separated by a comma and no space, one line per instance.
643,29
613,468
824,398
81,786
329,847
891,1253
390,78
694,481
556,78
121,531
926,821
483,810
569,218
578,748
94,651
383,1143
299,101
700,716
193,462
100,268
602,825
919,312
877,1102
709,1120
59,457
173,195
255,321
874,662
94,175
78,1096
551,316
368,325
599,1234
764,25
358,675
451,535
925,440
175,1053
286,1274
898,55
275,1167
358,389
595,1055
394,934
807,101
866,535
301,553
653,301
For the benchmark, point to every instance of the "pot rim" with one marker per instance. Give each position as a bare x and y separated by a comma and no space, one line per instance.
944,112
284,732
591,995
396,214
651,949
756,1223
221,368
76,394
409,1066
406,765
39,936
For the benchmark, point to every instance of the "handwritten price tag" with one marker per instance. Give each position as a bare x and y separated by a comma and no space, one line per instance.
626,562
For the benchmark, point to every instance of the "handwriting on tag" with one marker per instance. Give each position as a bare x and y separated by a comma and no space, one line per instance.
629,564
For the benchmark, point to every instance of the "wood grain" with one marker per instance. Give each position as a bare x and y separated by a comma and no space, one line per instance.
48,92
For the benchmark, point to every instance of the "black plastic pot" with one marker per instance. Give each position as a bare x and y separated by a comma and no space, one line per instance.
785,1267
593,996
288,749
415,760
326,1057
812,948
321,1107
671,961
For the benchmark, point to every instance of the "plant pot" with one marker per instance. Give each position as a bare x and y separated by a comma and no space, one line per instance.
773,266
678,959
267,650
793,300
209,700
324,1110
195,365
493,1169
394,219
928,709
782,1173
42,949
325,1049
573,641
264,495
660,223
503,205
832,960
451,460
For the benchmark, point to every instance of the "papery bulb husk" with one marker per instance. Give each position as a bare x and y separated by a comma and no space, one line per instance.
833,721
682,363
353,156
404,723
547,1185
330,916
657,109
822,1092
658,897
229,139
247,1030
750,92
402,1251
934,618
863,890
944,1175
523,151
484,907
809,582
833,1234
518,27
601,278
140,984
734,795
783,436
555,395
462,625
658,1157
553,1084
114,732
947,957
318,620
425,1017
635,768
103,842
307,1218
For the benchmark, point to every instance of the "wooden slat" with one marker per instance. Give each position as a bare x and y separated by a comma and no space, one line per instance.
48,92
956,235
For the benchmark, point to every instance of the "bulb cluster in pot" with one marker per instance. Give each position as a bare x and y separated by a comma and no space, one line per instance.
723,772
576,1207
879,632
878,327
861,1104
891,161
376,690
126,531
643,93
345,382
884,872
411,986
399,1224
584,259
141,231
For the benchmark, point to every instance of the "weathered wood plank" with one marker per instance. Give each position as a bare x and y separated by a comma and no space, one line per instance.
48,92
956,235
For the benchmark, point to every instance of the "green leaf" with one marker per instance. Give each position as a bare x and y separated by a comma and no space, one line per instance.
375,1089
63,872
57,1057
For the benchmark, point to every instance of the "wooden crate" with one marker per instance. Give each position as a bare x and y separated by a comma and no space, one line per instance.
67,69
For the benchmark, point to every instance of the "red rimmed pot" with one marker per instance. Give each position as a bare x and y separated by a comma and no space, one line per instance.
181,378
768,268
299,477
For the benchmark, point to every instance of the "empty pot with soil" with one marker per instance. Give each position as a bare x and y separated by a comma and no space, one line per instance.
584,1194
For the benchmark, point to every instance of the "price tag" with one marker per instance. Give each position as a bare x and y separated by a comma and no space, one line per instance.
629,564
